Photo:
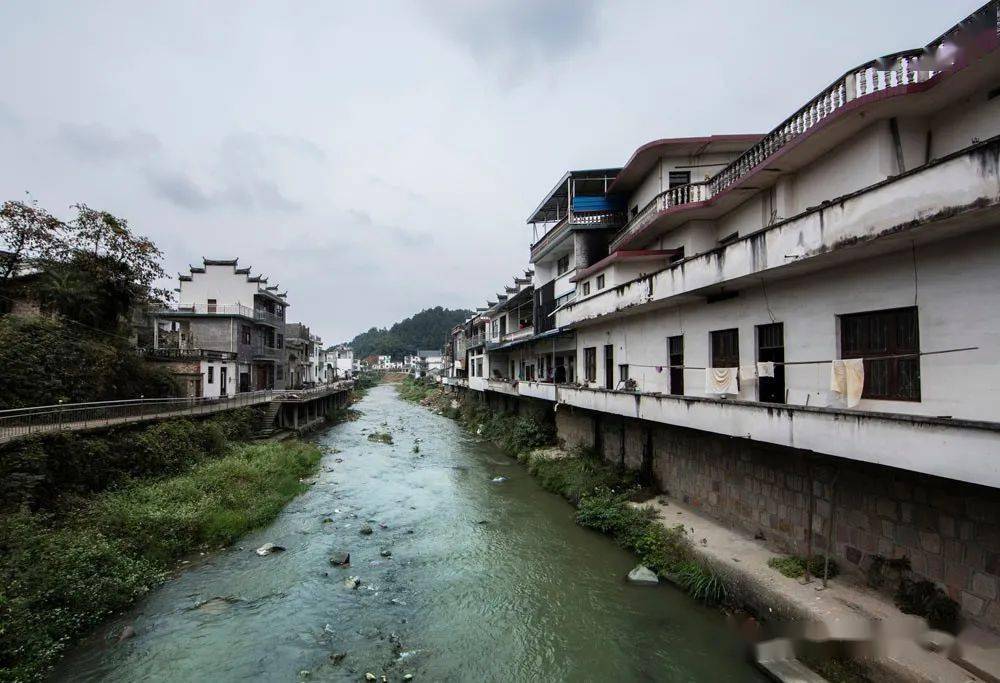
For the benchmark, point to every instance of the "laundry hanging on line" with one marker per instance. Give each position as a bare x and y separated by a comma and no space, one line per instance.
721,381
847,378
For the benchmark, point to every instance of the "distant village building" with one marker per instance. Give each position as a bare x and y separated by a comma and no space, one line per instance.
226,333
342,359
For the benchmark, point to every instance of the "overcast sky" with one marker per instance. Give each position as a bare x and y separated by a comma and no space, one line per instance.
377,158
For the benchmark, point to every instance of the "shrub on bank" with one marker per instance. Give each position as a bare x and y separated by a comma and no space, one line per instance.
40,470
61,576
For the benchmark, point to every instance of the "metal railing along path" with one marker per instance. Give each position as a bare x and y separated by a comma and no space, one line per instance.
21,422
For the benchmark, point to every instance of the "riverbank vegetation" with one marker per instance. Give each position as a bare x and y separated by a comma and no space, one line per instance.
117,511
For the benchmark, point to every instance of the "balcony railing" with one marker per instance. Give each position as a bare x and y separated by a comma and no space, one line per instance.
223,309
474,340
610,219
269,352
21,422
876,76
186,354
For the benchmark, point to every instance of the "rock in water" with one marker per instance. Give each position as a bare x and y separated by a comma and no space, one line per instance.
643,576
352,582
370,677
366,530
386,553
338,657
269,548
340,559
499,480
127,632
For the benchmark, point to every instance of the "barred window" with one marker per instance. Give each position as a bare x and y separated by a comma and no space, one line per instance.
893,332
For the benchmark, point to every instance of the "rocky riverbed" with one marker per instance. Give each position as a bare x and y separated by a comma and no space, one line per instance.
431,555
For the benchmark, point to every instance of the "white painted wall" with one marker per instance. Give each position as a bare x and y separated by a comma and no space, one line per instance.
214,389
951,315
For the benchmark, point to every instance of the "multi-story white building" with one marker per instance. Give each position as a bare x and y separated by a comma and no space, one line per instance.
341,357
792,325
225,335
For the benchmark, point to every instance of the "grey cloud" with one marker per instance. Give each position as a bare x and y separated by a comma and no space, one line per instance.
8,119
515,35
90,142
406,237
246,194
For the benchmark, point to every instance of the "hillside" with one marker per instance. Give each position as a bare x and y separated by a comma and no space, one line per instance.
425,330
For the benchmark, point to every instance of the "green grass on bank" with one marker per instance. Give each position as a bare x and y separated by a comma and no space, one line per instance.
61,575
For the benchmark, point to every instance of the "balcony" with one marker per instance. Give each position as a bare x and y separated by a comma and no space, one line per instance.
502,386
268,318
474,341
267,352
900,207
186,354
534,389
962,449
577,220
865,85
525,332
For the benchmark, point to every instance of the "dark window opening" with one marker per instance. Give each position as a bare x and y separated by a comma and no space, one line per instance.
726,348
245,333
600,282
211,374
893,332
676,178
212,305
609,366
586,288
634,211
771,348
562,265
590,363
678,255
623,373
675,355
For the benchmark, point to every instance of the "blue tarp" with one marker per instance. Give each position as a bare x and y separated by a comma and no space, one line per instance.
584,203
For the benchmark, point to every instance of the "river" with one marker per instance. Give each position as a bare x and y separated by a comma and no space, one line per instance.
487,581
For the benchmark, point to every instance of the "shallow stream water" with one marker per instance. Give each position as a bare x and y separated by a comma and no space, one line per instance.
487,581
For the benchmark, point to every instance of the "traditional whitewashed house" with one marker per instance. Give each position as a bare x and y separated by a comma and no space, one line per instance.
225,334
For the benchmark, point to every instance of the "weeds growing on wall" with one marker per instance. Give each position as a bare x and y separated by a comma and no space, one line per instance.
794,566
62,575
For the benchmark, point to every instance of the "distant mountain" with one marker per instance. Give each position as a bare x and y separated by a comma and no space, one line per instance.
425,330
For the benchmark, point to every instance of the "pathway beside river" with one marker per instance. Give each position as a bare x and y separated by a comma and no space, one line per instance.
485,582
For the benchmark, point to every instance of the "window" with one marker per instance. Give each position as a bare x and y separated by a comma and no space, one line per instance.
211,374
675,357
562,265
479,368
212,305
726,348
771,347
600,282
281,372
245,334
884,333
623,373
609,366
590,363
586,288
281,341
729,239
676,178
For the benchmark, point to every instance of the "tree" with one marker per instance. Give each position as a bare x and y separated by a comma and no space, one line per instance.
106,245
27,232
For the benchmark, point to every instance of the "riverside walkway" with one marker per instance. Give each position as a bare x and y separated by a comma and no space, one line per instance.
19,423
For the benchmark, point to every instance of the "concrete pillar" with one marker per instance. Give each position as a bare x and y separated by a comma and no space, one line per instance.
295,420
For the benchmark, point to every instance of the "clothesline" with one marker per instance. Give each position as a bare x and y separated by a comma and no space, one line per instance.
812,362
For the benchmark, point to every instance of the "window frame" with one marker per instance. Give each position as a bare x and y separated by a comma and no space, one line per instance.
586,288
562,265
590,363
900,384
718,340
600,281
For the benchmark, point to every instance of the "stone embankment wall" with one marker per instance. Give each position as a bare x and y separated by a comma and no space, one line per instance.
949,530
